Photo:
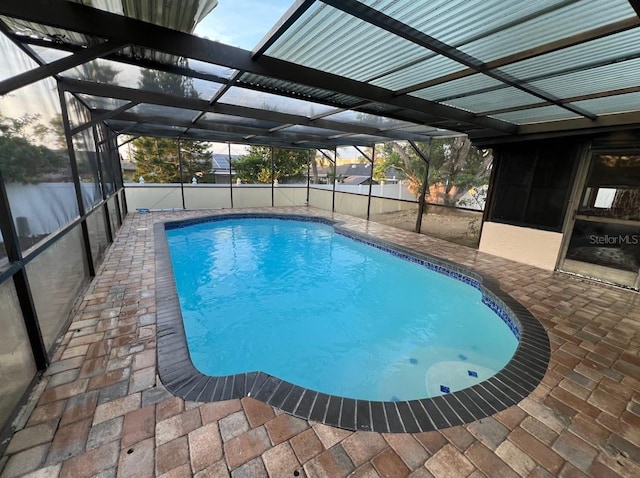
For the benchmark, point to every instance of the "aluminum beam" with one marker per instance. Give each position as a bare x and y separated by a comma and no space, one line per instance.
573,99
105,115
55,67
121,58
220,128
151,97
566,128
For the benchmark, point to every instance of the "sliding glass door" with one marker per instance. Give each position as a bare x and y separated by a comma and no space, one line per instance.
605,233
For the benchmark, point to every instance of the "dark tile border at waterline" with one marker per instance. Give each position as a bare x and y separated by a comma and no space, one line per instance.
509,386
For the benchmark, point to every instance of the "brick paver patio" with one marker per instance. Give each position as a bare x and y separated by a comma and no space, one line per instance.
101,411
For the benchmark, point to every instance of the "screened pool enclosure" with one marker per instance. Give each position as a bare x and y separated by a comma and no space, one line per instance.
551,86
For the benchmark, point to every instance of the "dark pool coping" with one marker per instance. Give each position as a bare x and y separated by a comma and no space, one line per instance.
515,381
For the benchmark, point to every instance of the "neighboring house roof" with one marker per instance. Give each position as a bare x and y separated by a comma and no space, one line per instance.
359,169
392,173
358,180
221,161
127,166
354,169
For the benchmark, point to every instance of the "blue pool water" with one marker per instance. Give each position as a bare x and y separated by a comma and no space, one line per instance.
298,301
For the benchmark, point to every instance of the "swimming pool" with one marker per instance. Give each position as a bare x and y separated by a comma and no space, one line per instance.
337,341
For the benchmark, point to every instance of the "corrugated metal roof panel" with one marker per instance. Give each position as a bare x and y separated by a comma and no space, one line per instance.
306,92
605,78
493,100
573,18
239,121
460,86
182,15
358,117
458,21
603,49
612,104
267,101
537,115
433,67
323,35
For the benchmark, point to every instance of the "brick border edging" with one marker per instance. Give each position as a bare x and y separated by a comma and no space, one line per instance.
515,381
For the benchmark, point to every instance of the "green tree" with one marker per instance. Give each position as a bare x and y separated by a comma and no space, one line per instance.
321,161
99,71
164,82
156,159
455,165
23,161
290,165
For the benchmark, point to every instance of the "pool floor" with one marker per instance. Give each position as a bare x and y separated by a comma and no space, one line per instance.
399,412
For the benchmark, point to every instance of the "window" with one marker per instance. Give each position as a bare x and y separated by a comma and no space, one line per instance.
532,185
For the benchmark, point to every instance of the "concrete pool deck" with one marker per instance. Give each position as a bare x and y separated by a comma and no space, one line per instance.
100,410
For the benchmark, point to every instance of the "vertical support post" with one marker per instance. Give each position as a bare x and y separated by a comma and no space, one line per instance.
123,203
181,172
488,203
272,177
373,158
118,209
309,174
333,196
421,200
103,188
76,182
230,177
425,181
114,157
21,283
123,197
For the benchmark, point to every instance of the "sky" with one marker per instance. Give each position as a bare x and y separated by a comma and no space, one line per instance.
242,23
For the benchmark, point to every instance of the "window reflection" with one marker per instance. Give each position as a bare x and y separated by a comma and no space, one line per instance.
113,214
613,188
107,170
17,367
610,245
35,163
52,296
87,161
97,235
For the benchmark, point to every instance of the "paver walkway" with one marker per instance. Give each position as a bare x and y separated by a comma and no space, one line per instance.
102,412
